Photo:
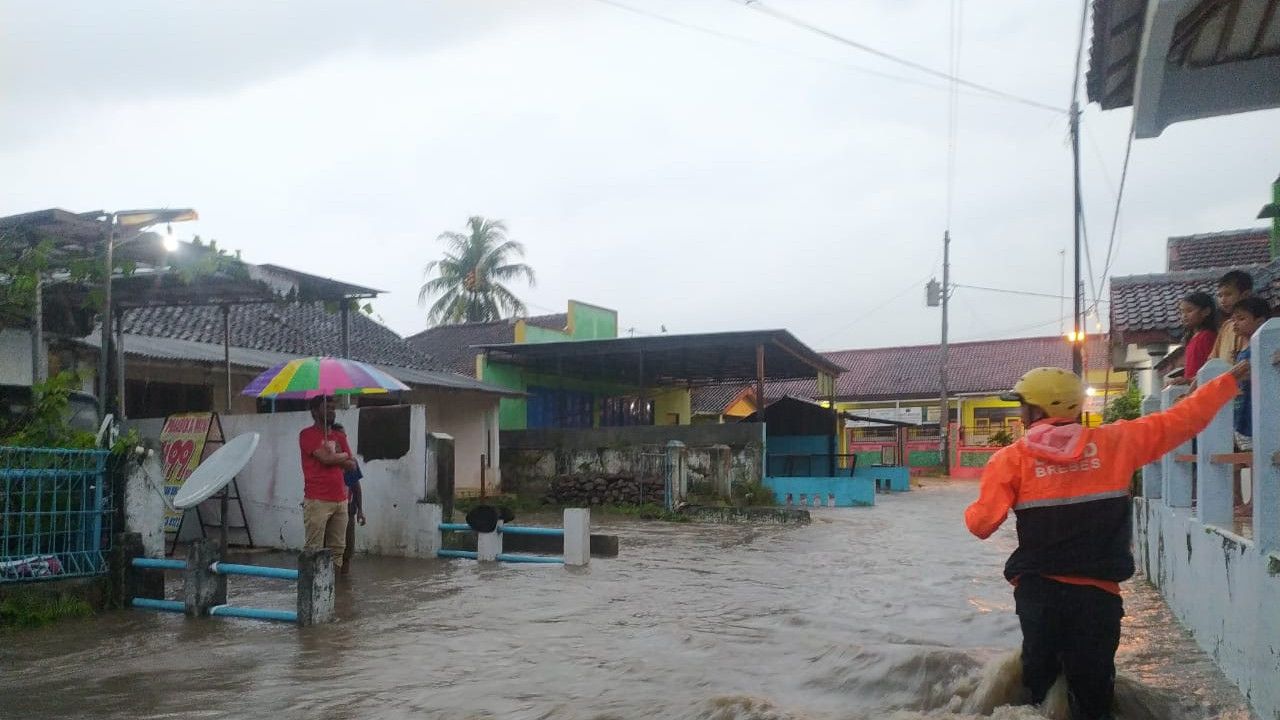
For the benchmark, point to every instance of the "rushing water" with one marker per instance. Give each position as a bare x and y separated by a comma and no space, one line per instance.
867,613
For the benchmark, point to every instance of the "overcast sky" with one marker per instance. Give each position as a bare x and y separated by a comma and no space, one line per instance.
682,178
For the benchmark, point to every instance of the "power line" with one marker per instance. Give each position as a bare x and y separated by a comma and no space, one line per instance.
761,7
785,51
1115,216
1013,292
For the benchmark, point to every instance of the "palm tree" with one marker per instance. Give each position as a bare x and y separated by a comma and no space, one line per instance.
469,281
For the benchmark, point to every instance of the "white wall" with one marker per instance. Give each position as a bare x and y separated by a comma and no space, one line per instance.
472,420
394,490
1223,589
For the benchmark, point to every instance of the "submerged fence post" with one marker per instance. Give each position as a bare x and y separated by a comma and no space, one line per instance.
1152,475
1215,500
203,588
315,587
1178,476
577,536
489,545
1265,398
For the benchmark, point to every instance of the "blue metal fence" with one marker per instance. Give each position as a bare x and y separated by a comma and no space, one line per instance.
55,513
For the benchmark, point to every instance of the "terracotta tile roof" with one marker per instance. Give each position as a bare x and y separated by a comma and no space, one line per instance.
985,366
454,346
1229,249
293,328
1144,308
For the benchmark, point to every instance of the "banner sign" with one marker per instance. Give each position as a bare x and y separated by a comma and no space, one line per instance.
183,441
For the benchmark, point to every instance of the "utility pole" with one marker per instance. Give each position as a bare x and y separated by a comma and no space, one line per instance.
1077,309
944,419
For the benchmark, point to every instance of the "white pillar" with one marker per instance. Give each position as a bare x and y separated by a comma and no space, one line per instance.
429,535
1215,496
1152,484
489,545
1265,395
577,536
1177,475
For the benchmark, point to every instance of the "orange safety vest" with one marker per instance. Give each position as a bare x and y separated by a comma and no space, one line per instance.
1069,487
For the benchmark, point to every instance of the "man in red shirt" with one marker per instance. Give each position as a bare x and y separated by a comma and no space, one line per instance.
325,455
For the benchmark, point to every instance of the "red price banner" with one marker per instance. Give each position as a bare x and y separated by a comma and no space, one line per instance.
182,441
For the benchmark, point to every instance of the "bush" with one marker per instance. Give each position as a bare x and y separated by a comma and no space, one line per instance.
28,609
753,493
1000,438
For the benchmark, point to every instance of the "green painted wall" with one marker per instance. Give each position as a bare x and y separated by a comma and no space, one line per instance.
534,334
588,322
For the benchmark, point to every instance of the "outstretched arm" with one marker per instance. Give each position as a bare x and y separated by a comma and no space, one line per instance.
1000,480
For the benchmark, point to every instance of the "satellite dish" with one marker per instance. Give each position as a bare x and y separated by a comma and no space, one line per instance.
216,471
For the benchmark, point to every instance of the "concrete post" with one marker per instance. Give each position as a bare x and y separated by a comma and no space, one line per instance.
429,536
677,483
127,582
203,588
1264,391
489,545
577,536
440,473
720,470
1214,506
1152,480
315,587
144,504
1178,476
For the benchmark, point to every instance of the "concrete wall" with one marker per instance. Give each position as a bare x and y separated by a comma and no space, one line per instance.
1223,589
472,420
532,458
394,489
848,491
15,357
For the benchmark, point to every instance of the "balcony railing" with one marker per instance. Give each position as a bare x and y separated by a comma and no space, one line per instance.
1203,480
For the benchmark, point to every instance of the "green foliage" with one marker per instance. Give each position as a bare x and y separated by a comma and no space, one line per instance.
753,493
1000,438
1125,407
31,609
468,286
44,424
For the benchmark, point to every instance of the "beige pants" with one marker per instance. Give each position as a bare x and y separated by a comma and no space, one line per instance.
326,526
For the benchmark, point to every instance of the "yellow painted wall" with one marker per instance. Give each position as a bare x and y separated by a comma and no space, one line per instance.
671,402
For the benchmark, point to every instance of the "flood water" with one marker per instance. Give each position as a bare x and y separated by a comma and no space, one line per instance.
878,612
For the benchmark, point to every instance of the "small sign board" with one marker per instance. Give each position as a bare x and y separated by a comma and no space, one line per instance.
187,438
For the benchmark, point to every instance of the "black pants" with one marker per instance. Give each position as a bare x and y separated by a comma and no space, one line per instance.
1073,630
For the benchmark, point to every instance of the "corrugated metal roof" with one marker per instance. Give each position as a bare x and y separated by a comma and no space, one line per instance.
160,348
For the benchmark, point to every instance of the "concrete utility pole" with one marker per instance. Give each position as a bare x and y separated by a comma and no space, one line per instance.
944,419
1077,309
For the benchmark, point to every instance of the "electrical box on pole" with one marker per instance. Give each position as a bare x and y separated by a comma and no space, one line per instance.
933,293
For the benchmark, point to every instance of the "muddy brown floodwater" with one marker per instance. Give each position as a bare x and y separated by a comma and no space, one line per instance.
889,611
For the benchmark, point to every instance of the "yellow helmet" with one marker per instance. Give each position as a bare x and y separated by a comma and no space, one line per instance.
1059,393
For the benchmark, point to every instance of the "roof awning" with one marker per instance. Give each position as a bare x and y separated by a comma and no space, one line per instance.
188,351
667,360
1176,60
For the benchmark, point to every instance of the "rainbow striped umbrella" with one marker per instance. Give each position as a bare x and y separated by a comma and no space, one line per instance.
308,377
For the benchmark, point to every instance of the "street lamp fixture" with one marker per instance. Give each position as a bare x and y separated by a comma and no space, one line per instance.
133,222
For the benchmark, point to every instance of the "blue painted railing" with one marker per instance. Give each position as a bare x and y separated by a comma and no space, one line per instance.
55,513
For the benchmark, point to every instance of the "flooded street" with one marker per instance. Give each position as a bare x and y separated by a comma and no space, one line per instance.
861,614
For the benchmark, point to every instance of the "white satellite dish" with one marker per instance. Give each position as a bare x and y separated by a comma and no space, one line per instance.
216,471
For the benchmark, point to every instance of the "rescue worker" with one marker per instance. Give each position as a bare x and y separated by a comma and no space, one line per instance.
1069,487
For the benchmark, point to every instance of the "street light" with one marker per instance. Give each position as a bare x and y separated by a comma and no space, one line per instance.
134,222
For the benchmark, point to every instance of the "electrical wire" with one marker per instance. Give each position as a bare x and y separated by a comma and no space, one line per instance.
785,51
792,20
1112,245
